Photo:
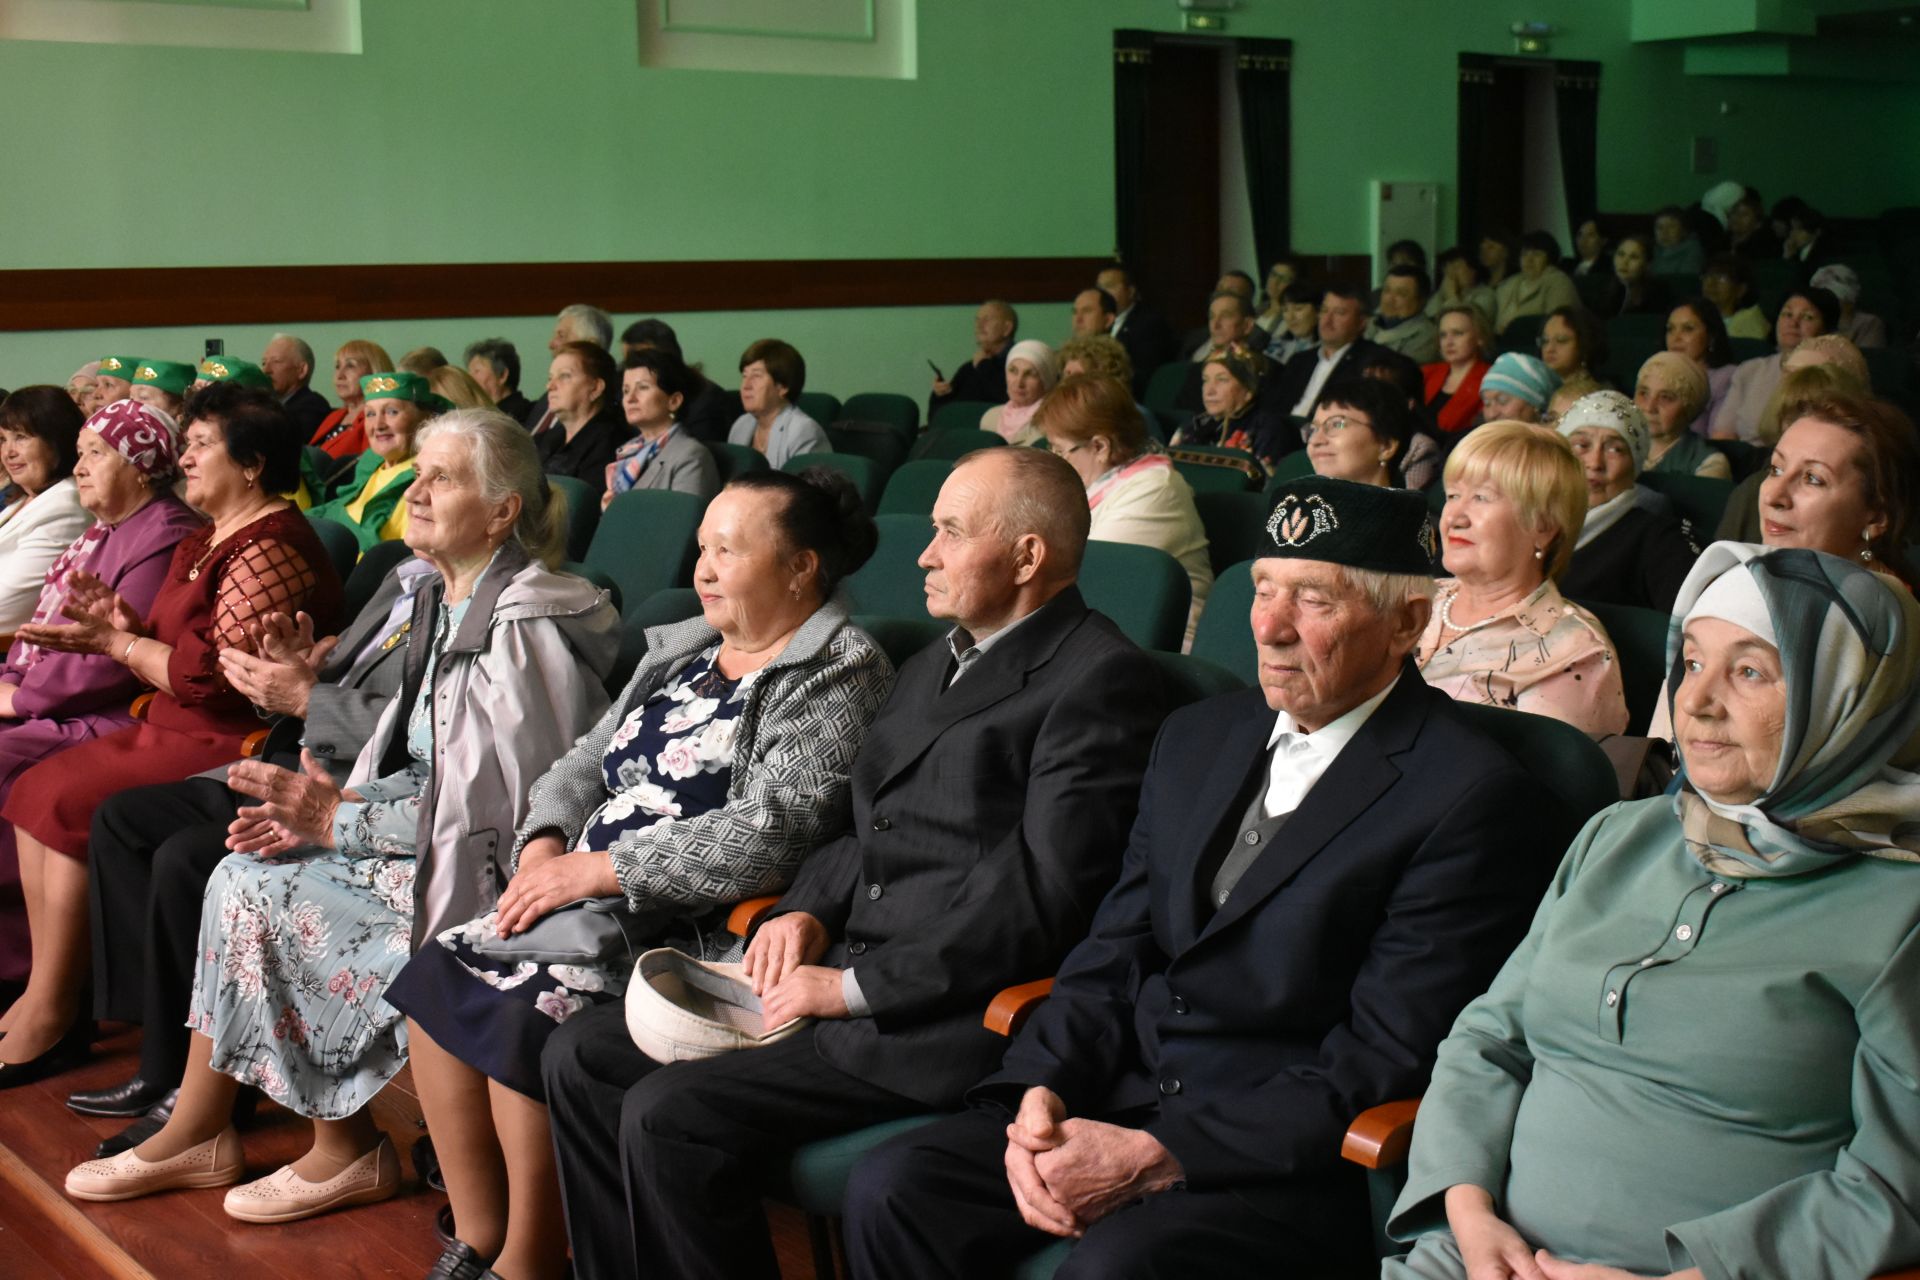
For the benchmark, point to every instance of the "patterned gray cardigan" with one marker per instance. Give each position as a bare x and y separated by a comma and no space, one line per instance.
804,720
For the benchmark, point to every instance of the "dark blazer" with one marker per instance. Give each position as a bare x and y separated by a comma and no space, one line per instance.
1641,561
585,457
1148,340
988,819
985,382
710,413
1326,983
308,408
1295,374
515,405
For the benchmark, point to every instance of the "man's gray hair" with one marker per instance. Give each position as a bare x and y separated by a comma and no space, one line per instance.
300,348
1390,592
589,324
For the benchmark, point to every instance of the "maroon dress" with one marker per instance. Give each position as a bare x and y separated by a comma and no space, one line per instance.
274,565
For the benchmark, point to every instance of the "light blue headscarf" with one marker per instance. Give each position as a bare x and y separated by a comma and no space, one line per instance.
1848,779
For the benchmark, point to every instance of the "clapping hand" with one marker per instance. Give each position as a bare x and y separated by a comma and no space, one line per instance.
279,675
295,809
98,614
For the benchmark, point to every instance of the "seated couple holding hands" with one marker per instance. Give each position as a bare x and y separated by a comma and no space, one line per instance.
1264,914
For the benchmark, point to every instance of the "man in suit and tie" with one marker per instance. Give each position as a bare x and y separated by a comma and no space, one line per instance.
288,364
1343,322
153,848
1137,326
991,801
1324,871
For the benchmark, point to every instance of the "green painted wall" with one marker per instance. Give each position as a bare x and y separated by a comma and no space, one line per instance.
477,130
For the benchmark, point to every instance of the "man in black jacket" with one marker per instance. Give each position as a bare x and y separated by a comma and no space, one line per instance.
1343,321
288,364
1137,327
983,376
991,799
1324,871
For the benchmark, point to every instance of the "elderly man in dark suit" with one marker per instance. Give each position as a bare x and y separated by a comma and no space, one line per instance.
990,801
1323,872
153,848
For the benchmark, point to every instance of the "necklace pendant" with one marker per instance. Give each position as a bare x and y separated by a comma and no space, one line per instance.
193,574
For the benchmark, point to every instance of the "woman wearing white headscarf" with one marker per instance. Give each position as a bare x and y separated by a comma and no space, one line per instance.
1862,328
1701,1060
1032,371
1631,549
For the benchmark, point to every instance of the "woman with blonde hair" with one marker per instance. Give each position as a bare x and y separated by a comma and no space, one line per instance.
457,387
1501,633
343,433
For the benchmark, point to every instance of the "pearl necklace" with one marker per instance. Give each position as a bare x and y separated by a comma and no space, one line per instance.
1446,616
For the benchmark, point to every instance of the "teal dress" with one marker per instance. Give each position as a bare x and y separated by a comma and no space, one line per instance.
1677,1069
296,952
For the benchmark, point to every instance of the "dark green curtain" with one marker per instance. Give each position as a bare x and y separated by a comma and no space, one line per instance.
1476,107
1576,92
1132,56
1263,79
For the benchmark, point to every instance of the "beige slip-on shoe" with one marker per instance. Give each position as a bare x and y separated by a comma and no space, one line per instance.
217,1162
285,1196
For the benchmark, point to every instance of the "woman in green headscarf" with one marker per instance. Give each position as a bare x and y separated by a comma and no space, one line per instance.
1704,1059
397,406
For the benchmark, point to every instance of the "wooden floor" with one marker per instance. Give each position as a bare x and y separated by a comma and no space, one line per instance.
183,1235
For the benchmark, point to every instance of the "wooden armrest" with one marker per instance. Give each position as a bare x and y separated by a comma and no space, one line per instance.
1378,1137
1010,1008
140,704
746,916
1911,1273
250,748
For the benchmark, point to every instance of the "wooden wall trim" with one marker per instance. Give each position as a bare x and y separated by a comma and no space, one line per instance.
146,297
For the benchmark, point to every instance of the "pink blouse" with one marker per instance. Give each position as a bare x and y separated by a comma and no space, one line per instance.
1545,654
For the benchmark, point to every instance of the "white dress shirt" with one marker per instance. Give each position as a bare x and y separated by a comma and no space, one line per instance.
1323,366
1296,760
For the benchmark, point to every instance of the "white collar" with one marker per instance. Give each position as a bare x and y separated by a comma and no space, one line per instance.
1328,739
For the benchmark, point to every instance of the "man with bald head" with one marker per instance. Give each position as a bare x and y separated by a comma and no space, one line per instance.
983,378
288,364
991,799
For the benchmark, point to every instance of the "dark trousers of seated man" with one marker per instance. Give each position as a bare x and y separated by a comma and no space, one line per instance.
935,1202
153,850
662,1169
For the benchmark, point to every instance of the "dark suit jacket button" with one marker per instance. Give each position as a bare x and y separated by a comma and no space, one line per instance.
1179,1004
873,893
323,749
881,824
1169,1087
856,948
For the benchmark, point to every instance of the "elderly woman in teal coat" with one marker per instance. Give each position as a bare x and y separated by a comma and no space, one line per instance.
1704,1059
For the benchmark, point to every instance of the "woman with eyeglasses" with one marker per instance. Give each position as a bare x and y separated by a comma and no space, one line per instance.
1133,491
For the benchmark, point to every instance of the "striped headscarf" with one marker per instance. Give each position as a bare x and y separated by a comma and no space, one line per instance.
1848,778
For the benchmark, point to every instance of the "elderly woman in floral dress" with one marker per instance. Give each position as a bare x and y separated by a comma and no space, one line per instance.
329,890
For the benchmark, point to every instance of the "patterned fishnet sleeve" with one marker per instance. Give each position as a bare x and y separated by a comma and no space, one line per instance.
263,577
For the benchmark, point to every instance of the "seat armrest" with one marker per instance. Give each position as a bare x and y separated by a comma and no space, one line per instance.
140,704
747,915
1911,1273
250,748
1009,1009
1379,1136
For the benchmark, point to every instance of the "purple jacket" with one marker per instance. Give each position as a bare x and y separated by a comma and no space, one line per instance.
133,560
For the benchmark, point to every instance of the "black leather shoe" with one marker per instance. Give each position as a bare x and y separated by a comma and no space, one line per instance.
458,1261
129,1098
68,1051
140,1130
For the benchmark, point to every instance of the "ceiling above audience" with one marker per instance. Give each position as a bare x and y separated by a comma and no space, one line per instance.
1808,39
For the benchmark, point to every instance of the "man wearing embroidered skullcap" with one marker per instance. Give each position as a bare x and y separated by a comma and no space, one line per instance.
1323,872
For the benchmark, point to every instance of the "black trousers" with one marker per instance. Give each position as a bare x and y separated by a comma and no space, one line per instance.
935,1202
661,1168
153,850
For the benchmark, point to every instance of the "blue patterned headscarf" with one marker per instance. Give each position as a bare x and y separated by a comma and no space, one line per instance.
1848,779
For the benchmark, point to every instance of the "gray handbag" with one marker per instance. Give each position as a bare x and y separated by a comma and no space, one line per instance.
589,931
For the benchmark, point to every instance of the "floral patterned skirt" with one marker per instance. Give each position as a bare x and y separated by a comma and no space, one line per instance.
493,1015
295,957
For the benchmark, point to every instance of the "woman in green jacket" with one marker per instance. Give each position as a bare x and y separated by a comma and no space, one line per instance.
1703,1060
397,406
